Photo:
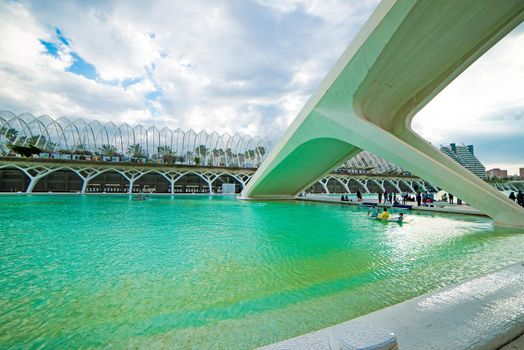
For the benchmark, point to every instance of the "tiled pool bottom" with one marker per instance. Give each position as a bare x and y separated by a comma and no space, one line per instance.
202,272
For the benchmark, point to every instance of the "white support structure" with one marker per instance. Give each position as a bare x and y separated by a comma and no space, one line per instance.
363,183
394,183
86,175
323,182
344,182
409,184
379,183
36,172
421,185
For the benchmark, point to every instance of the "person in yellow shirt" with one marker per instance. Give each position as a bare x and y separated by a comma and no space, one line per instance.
384,215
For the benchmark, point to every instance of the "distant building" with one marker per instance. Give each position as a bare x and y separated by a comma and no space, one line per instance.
496,173
521,173
465,155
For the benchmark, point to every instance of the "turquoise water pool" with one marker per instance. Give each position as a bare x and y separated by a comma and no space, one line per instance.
214,272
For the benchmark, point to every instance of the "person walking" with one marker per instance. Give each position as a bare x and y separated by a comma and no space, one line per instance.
419,198
520,198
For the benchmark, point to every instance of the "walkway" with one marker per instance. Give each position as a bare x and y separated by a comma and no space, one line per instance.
449,209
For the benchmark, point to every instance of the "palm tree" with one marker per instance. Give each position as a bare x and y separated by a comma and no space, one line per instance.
9,133
261,150
167,154
164,151
136,151
108,150
81,149
229,156
202,152
188,156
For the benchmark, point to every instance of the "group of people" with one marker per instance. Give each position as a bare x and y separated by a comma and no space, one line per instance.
385,216
424,199
345,198
519,198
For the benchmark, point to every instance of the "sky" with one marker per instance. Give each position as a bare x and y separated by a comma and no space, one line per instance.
236,66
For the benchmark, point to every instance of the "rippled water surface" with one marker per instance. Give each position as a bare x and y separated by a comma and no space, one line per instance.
201,272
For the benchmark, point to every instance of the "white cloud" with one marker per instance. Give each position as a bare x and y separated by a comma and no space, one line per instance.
484,106
482,98
247,67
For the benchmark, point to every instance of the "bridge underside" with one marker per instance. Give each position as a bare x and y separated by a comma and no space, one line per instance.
407,52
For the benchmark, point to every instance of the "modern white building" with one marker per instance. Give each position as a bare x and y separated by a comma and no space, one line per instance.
465,155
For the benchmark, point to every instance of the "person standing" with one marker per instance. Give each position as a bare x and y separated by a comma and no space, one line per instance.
419,198
390,197
520,198
385,196
359,195
450,198
379,196
512,196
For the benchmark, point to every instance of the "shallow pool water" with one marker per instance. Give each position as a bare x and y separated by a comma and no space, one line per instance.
214,272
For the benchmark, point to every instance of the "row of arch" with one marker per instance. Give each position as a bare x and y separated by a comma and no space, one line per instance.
37,172
397,184
507,186
80,136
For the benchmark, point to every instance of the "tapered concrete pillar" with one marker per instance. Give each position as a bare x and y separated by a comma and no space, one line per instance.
406,53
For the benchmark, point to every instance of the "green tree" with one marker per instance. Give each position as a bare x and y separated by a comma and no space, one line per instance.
108,150
26,151
167,154
188,156
9,133
261,150
164,151
81,149
136,151
201,151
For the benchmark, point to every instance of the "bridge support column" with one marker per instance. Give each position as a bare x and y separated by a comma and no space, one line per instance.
39,173
364,183
323,183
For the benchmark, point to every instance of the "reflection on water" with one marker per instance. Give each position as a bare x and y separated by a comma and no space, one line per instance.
178,272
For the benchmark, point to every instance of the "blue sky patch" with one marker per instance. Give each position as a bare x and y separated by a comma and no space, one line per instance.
61,37
153,95
130,81
81,67
51,49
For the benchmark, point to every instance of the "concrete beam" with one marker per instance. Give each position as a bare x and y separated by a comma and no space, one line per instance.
405,54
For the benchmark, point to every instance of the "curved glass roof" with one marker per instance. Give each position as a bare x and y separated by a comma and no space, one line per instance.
92,137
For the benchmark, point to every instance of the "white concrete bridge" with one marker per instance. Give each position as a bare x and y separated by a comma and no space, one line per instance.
405,54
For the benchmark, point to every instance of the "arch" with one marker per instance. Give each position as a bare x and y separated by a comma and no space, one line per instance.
354,185
9,183
101,182
220,177
284,179
49,183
